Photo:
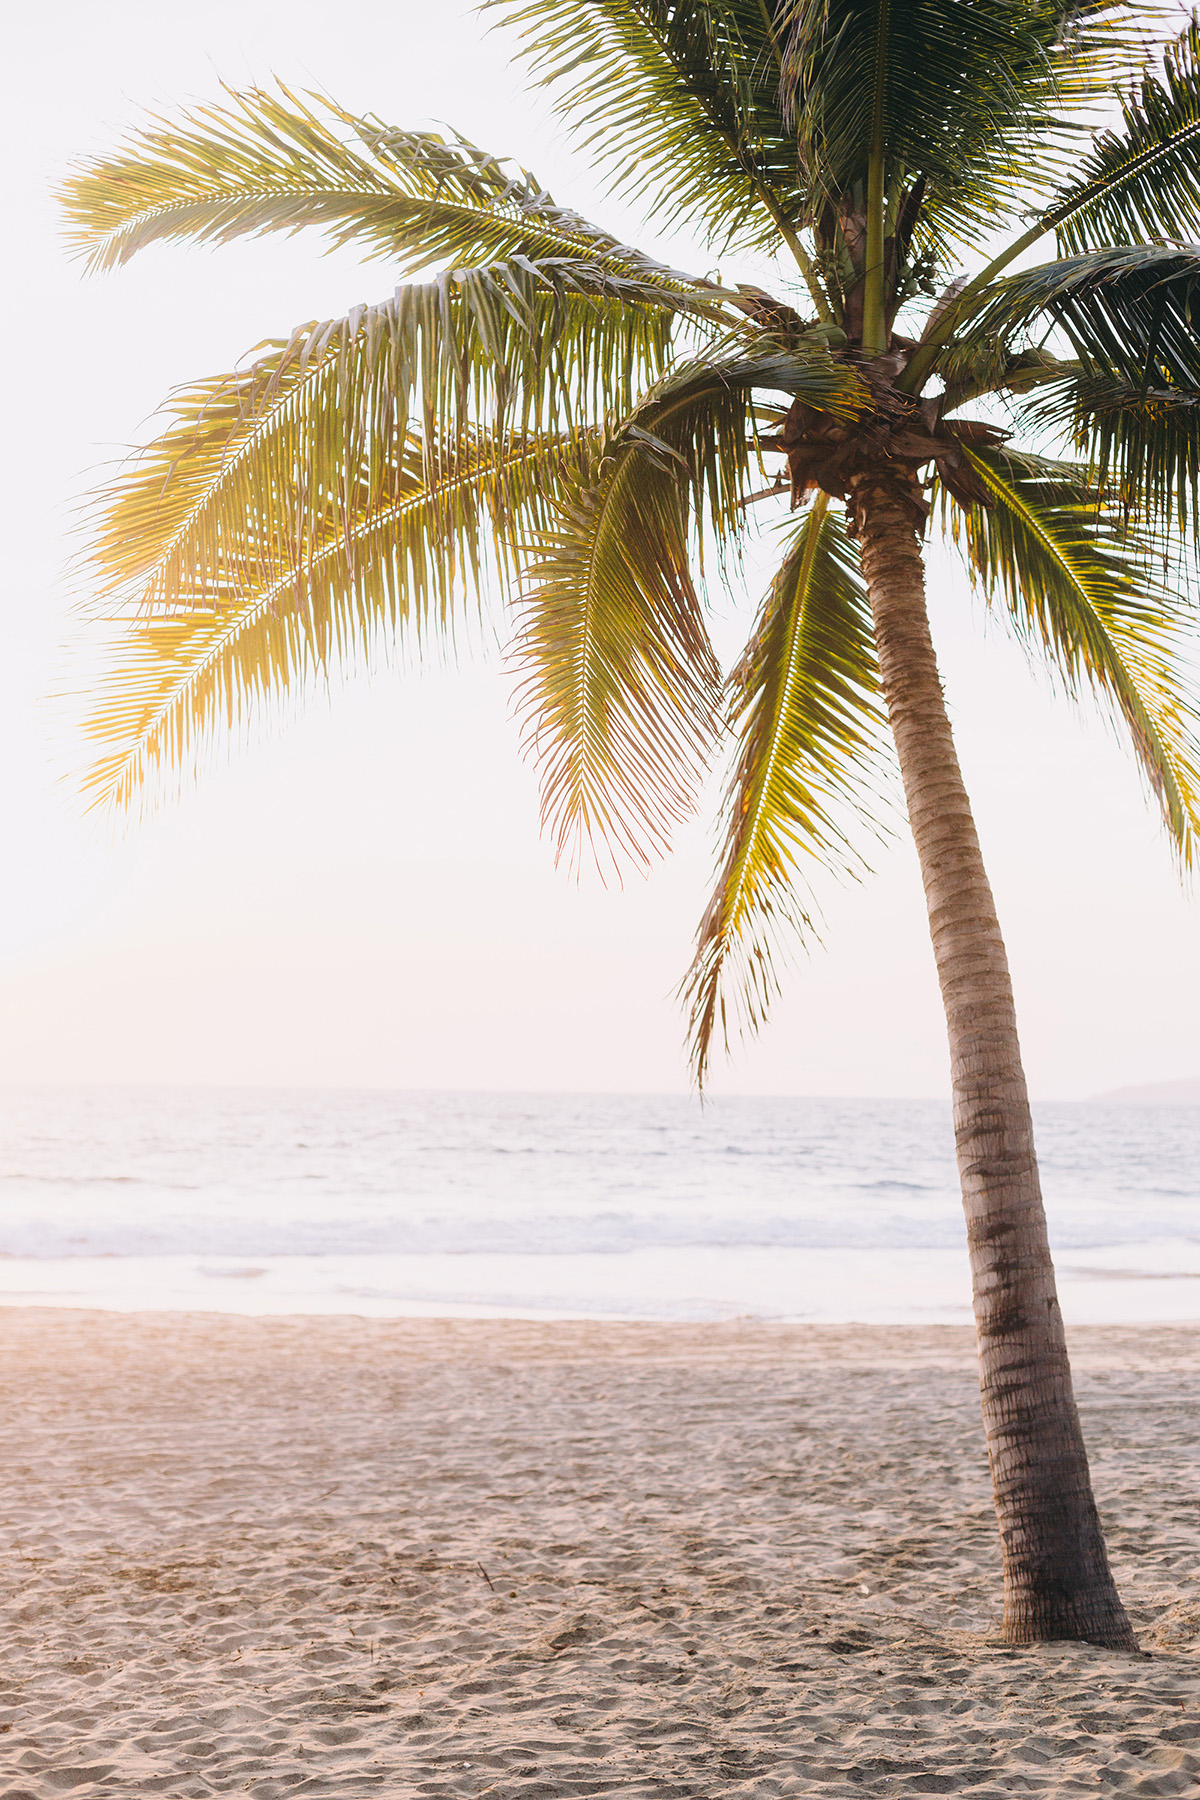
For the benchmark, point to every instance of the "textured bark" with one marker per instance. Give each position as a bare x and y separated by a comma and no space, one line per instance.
1057,1582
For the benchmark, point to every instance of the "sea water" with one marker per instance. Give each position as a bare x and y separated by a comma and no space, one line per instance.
604,1206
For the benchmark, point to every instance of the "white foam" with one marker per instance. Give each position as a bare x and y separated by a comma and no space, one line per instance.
1116,1284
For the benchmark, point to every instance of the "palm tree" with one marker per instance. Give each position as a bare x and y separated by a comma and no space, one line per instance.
559,412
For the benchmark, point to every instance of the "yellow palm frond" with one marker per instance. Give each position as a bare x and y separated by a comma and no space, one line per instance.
1082,594
684,100
250,460
804,704
621,686
382,548
272,162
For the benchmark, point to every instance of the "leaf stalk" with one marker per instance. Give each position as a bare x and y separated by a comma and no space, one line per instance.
875,328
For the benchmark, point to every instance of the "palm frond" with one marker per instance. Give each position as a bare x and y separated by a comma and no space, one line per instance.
1142,445
308,581
683,96
353,465
620,684
1132,402
992,366
964,95
270,162
255,457
1127,311
620,681
1104,46
1080,593
804,702
1142,180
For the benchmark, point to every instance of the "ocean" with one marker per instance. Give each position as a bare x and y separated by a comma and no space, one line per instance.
393,1204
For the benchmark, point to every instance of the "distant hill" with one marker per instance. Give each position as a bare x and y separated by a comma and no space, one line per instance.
1157,1093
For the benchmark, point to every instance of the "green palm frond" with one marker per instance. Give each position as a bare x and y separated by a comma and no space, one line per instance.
620,684
683,96
1131,403
1080,593
1143,180
961,94
391,543
269,162
1129,311
354,465
1100,47
263,450
804,702
1141,443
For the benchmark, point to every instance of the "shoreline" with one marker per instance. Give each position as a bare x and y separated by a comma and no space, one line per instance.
1145,1283
827,1339
336,1556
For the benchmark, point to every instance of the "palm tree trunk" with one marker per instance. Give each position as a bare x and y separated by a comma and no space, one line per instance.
1057,1582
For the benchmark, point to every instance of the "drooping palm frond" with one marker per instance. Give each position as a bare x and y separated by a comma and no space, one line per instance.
1142,181
308,578
353,467
1142,445
804,702
1128,311
1080,593
620,681
269,162
270,449
620,684
1132,402
963,94
683,96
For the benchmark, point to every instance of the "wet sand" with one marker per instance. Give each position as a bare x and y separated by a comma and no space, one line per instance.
344,1557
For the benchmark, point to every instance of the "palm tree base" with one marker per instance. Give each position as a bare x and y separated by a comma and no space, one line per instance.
1102,1621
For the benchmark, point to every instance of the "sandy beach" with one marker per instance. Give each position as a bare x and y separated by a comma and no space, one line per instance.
339,1557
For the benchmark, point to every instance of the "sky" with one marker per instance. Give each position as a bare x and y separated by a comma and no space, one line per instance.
359,895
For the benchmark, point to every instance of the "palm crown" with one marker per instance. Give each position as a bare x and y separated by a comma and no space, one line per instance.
555,406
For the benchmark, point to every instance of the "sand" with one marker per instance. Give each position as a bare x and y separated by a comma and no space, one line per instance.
341,1557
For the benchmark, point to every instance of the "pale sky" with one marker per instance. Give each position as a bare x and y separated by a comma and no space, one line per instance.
360,895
